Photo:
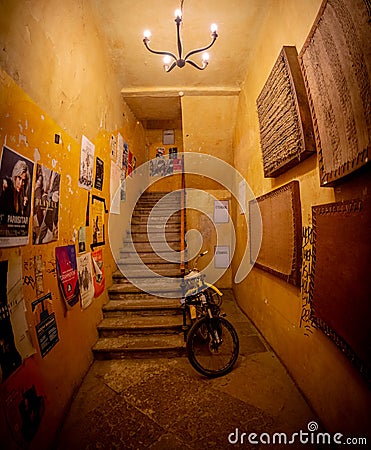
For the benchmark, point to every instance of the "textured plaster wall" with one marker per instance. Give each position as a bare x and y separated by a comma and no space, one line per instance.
329,381
208,124
56,78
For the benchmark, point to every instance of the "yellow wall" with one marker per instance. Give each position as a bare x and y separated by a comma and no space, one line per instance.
208,124
329,381
58,79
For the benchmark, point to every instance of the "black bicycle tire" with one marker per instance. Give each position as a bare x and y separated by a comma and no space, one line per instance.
193,334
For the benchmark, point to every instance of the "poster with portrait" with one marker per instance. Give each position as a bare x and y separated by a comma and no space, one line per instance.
16,173
15,344
86,164
67,274
85,269
46,206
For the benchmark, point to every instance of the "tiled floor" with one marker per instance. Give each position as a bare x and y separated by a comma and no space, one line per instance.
164,404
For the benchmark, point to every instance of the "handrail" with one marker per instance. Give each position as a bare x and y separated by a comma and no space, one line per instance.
182,221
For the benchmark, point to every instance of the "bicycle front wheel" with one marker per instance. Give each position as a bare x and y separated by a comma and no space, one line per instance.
215,352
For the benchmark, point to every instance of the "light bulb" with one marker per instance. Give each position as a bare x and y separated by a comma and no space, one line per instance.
178,13
205,57
147,34
214,28
167,60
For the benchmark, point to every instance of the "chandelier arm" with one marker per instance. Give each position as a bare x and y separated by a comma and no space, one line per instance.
201,49
192,63
171,67
179,42
159,52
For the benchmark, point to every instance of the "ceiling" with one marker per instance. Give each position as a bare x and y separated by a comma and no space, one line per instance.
150,92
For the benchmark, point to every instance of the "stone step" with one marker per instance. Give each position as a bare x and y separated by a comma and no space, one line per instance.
146,247
114,326
122,286
141,305
158,194
149,257
156,229
156,209
136,271
143,236
146,321
153,262
161,254
136,346
155,221
160,202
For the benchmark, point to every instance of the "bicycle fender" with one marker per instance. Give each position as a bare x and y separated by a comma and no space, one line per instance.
214,288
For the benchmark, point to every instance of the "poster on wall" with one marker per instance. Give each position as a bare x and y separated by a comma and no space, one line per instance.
177,165
45,323
161,167
84,267
222,258
98,272
125,157
221,211
24,403
82,239
67,274
168,137
130,162
160,152
46,206
113,146
16,173
15,344
86,164
99,172
173,152
98,209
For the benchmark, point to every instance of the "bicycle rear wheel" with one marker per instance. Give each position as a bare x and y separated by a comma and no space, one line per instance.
208,356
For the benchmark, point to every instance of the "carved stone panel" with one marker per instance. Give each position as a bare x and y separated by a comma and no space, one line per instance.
286,130
280,250
336,64
340,287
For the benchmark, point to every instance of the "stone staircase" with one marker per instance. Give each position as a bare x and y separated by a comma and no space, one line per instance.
147,320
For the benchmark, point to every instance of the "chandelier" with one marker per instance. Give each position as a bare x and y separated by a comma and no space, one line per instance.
170,60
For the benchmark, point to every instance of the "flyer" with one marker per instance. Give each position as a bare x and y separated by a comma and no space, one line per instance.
67,274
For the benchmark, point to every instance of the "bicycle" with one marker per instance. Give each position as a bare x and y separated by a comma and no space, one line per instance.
212,343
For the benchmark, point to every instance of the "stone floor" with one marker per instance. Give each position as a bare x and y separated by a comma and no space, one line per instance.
164,404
